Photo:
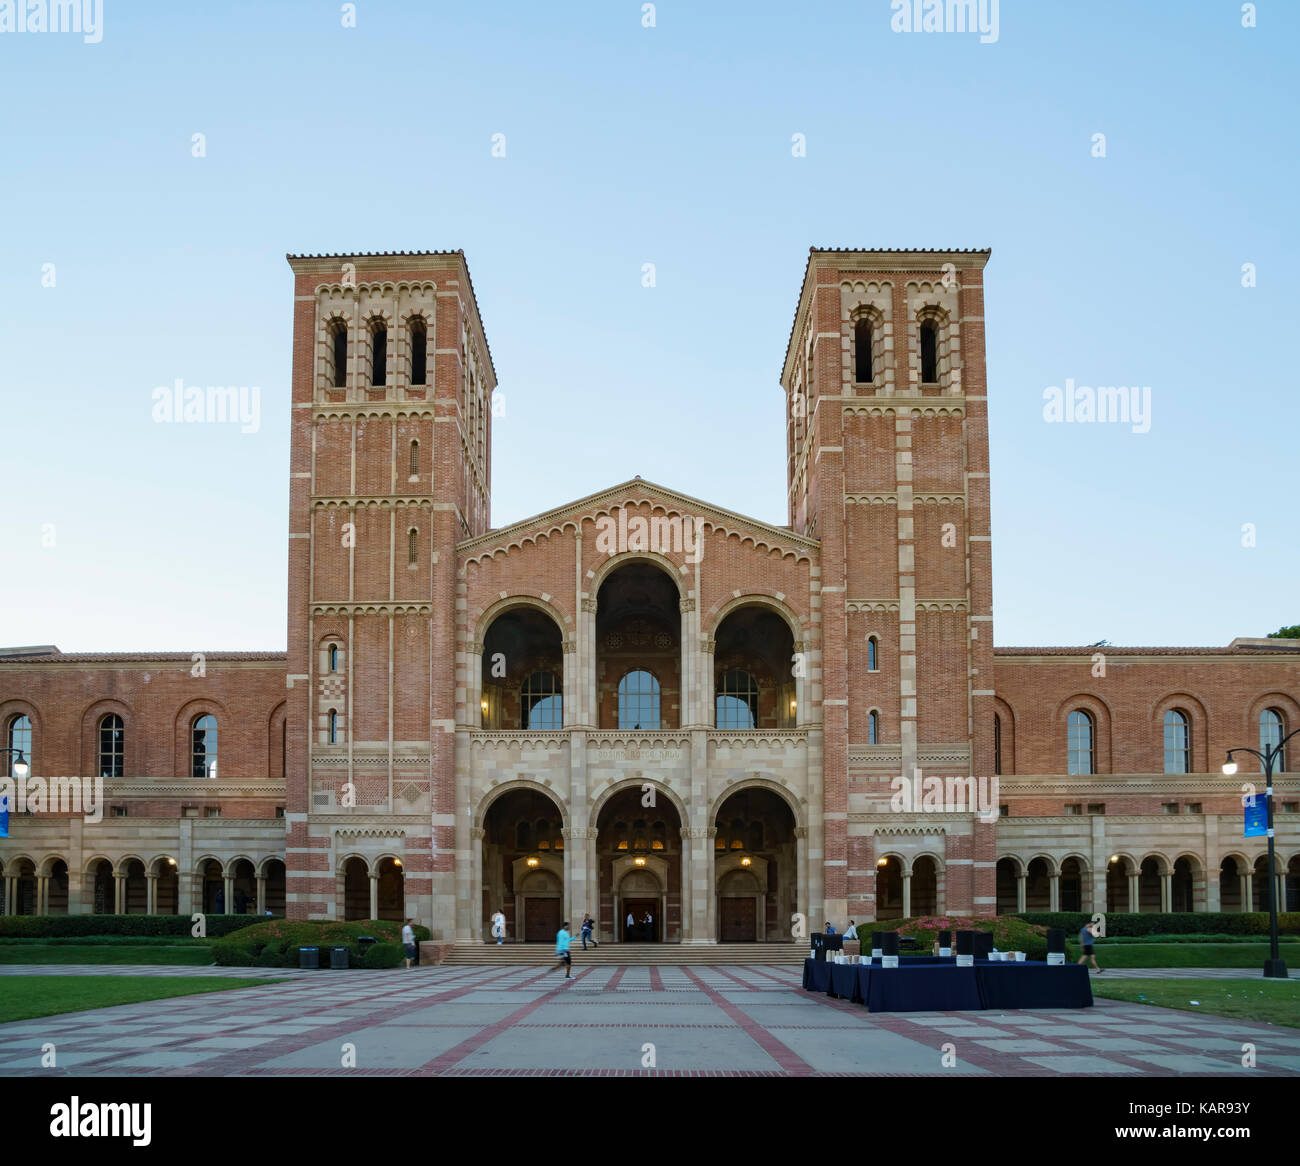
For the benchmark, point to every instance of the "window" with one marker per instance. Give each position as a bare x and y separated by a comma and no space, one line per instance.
203,740
334,657
541,703
189,811
1169,807
112,746
379,356
339,342
419,339
412,547
1004,811
929,352
1096,807
490,706
543,834
333,727
279,811
1271,731
1072,808
620,835
1193,807
1291,807
659,841
737,701
415,459
873,728
212,811
19,738
862,352
1178,742
1080,742
997,744
638,701
873,654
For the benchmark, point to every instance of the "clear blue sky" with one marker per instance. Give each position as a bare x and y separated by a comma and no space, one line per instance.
672,145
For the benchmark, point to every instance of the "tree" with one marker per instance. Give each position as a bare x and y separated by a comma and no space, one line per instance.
1291,633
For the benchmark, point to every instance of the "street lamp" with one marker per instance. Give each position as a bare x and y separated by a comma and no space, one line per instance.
20,768
1275,965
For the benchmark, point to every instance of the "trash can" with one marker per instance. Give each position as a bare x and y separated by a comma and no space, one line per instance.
309,957
338,957
364,942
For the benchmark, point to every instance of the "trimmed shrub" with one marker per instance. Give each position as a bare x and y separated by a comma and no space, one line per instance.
1009,932
54,926
384,955
107,941
275,943
1167,923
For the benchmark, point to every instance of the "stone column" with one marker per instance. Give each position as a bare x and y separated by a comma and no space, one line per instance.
42,894
261,895
228,892
1054,891
1021,880
374,896
692,699
907,894
1248,891
803,903
588,710
150,894
473,909
1166,891
1134,901
119,894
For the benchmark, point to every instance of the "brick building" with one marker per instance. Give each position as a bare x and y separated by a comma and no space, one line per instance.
639,704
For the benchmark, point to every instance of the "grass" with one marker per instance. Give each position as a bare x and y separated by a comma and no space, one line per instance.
1271,1001
25,997
189,955
1176,955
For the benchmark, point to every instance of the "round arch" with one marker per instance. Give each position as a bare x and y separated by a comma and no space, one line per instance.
497,791
754,599
341,866
119,867
495,610
1048,861
636,783
939,867
758,783
613,562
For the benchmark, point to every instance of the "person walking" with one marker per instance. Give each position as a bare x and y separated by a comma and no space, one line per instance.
499,926
408,942
1087,933
588,927
629,930
562,941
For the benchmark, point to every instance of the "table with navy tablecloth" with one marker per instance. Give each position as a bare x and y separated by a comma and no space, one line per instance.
936,984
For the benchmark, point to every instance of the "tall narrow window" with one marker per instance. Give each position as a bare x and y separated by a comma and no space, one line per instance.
737,701
997,744
340,339
1080,742
333,727
412,547
19,739
112,746
334,657
1178,742
415,459
929,352
873,659
873,728
540,703
638,701
379,357
862,372
1271,731
203,747
418,345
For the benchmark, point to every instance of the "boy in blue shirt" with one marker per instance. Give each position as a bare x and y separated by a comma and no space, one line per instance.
562,941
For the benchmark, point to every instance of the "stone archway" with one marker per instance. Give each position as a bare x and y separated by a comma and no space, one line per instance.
755,834
523,834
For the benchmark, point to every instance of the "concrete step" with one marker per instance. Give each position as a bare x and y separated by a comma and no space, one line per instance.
632,954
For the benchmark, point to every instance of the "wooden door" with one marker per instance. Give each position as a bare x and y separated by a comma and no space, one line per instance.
739,920
541,920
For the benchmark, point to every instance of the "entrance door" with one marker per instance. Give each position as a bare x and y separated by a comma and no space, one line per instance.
637,908
739,921
541,920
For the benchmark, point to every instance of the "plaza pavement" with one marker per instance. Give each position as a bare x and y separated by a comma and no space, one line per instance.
521,1021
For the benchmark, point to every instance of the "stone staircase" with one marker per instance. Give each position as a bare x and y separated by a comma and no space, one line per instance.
633,954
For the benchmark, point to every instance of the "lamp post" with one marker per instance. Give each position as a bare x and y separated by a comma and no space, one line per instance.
20,769
1274,966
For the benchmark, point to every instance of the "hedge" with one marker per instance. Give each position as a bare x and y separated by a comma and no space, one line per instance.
49,926
105,941
1169,923
275,943
1009,932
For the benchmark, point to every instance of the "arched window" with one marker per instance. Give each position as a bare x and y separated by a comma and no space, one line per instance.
379,356
19,739
660,836
523,836
639,839
620,836
112,746
203,746
419,338
929,352
737,701
333,656
862,372
412,547
997,744
1178,742
339,343
333,727
638,701
873,654
736,835
1272,728
541,703
1079,742
873,728
415,459
543,834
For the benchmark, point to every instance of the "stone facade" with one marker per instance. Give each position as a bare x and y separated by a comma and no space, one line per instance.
638,704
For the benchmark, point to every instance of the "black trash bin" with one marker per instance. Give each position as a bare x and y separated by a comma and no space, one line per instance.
338,957
309,957
364,942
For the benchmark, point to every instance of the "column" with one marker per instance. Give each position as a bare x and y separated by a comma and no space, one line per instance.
1133,901
1248,891
150,893
261,895
9,894
1166,891
119,894
228,884
907,894
472,927
802,901
1054,891
374,896
42,894
1021,879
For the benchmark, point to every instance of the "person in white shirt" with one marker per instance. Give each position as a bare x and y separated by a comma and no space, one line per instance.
408,942
499,926
852,932
629,931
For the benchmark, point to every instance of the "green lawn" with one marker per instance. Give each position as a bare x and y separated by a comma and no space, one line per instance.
190,955
1179,955
1275,1001
24,997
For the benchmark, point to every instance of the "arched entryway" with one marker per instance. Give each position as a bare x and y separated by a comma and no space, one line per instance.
523,669
638,649
356,889
56,886
102,887
925,888
212,887
1230,881
753,683
23,872
1185,884
638,867
1038,885
889,887
166,881
1118,872
1149,877
523,865
1008,891
274,880
754,836
1072,885
135,890
243,889
391,891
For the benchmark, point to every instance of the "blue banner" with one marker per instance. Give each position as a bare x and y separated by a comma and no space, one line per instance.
4,816
1256,817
